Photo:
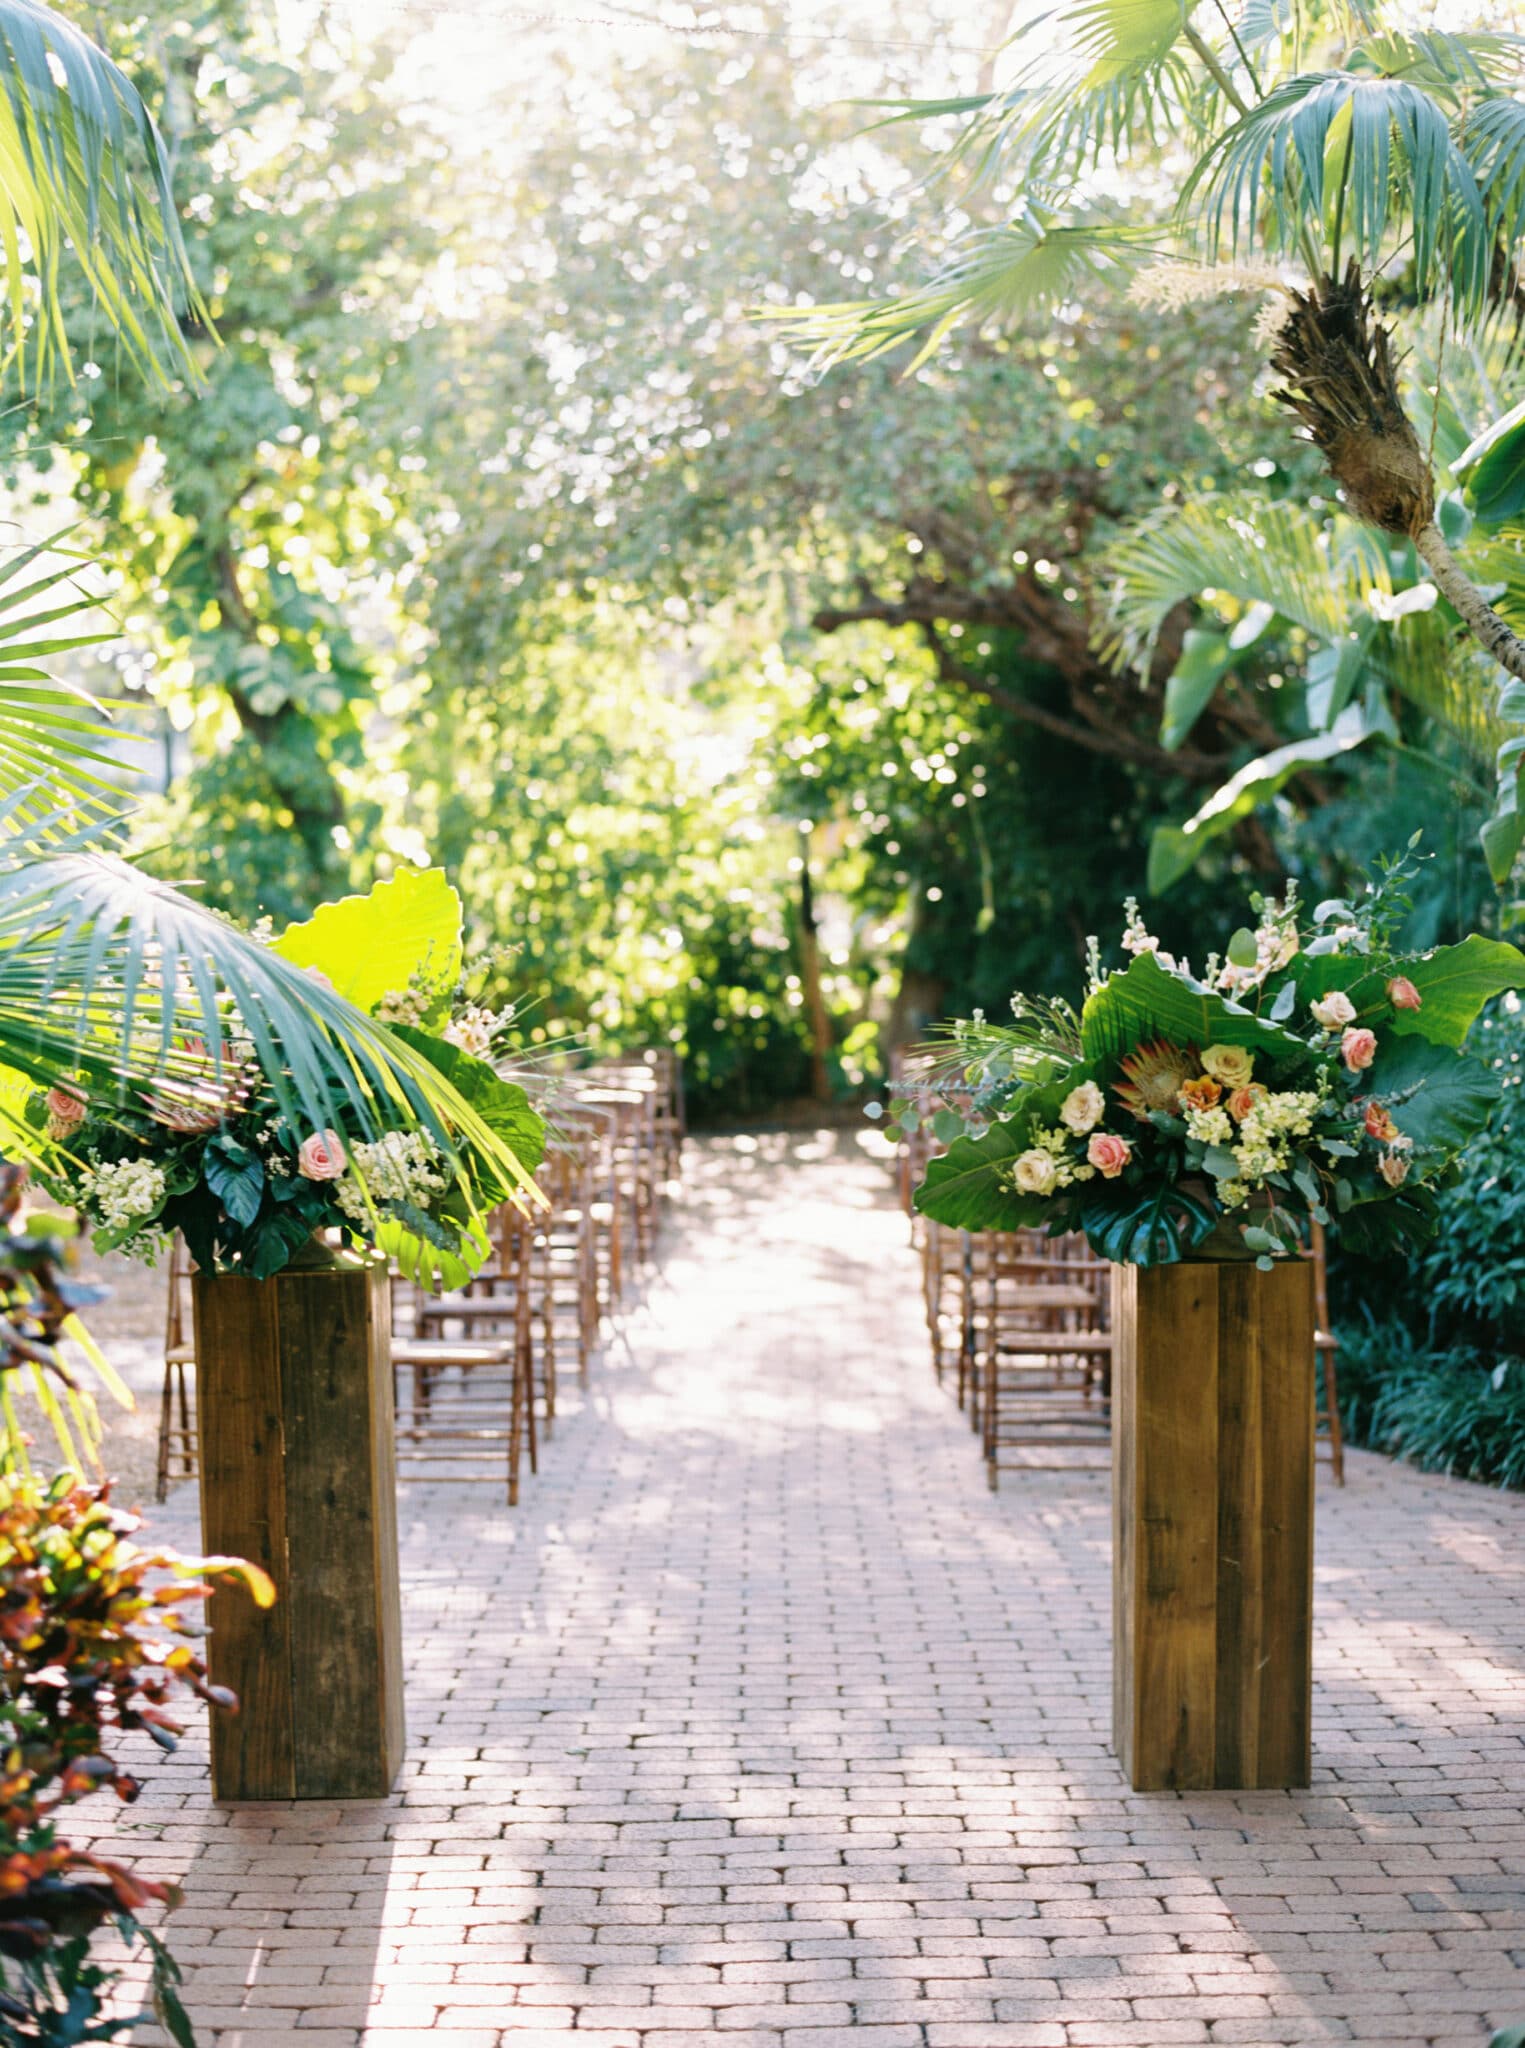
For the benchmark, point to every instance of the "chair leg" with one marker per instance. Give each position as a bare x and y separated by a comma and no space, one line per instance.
524,1370
166,1424
990,1420
1336,1433
515,1437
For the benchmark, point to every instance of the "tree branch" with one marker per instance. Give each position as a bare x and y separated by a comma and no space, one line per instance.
1095,738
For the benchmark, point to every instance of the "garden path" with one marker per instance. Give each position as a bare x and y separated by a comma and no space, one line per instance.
762,1721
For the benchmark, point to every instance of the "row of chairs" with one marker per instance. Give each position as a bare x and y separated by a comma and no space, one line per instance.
477,1372
1020,1326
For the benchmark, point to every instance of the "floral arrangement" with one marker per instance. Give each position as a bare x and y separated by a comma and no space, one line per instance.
204,1146
93,1641
1312,1073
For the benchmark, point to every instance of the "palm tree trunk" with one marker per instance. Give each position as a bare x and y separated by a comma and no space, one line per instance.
1481,620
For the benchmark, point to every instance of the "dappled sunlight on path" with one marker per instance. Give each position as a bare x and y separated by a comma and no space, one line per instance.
762,1719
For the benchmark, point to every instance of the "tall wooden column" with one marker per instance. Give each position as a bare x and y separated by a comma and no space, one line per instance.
1212,1419
294,1400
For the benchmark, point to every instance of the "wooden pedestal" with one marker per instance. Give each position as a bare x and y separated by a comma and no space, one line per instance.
294,1400
1212,1420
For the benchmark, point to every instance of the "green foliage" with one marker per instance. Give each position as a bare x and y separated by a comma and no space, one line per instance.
1145,1002
1472,1279
83,168
1453,1409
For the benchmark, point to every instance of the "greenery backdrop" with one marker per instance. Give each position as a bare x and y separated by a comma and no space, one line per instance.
505,532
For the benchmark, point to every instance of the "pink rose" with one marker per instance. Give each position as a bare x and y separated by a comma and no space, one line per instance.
1394,1168
1402,994
1108,1154
321,1157
66,1111
1358,1048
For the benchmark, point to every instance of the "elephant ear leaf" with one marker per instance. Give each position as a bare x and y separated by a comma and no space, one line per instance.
370,946
1454,982
968,1187
1147,1002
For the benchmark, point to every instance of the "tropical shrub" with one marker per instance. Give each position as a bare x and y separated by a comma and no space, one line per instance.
95,1642
1446,1408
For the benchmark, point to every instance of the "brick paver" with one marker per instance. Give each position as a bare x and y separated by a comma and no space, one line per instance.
762,1721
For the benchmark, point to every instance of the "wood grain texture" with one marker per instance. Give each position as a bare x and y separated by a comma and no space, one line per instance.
243,1514
313,1487
1213,1525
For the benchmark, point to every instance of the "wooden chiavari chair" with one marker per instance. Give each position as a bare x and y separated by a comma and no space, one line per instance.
464,1368
629,1095
564,1268
177,1428
1043,1336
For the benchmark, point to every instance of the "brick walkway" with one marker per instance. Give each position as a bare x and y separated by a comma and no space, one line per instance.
763,1720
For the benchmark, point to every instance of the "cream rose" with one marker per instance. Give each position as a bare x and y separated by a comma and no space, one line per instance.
1083,1108
1335,1011
1233,1065
1358,1049
321,1157
1108,1153
1035,1173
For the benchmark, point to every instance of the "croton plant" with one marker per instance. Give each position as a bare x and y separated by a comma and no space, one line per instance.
1313,1072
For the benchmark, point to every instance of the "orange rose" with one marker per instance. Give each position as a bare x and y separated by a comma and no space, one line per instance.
1379,1124
1203,1093
1243,1100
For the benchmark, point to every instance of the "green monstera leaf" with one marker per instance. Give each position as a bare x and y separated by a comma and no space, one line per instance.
1145,1002
369,946
1156,1224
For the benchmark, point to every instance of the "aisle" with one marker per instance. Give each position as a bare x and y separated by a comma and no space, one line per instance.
762,1720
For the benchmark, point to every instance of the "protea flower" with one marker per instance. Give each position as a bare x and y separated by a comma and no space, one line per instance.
1156,1073
198,1097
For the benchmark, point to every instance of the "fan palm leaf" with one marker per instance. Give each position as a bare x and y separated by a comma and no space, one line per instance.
103,970
83,168
1265,182
1309,571
993,275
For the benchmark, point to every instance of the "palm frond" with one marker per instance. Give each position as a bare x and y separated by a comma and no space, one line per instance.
51,752
995,275
1450,679
1096,78
1310,571
1265,181
102,969
1492,140
83,168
